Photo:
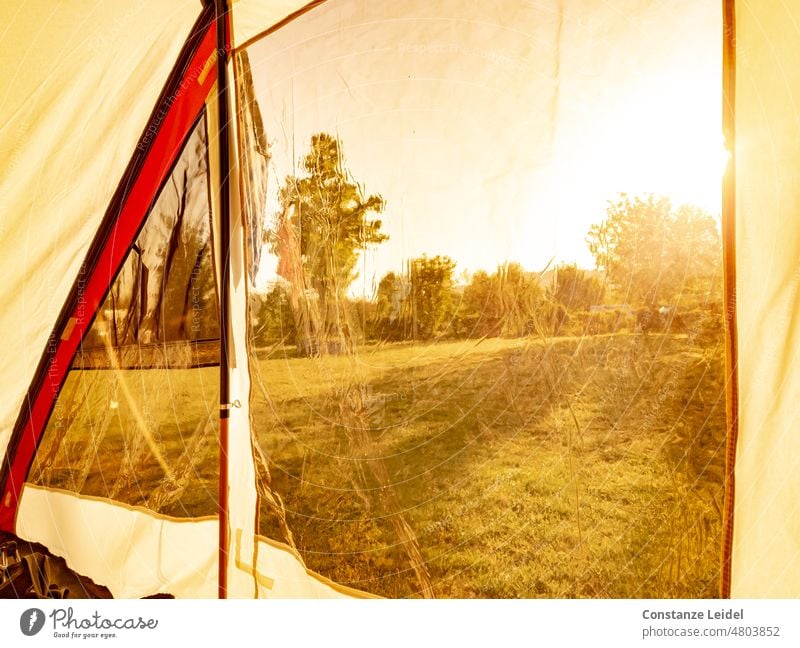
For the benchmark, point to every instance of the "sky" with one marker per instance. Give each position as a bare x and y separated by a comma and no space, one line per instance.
498,131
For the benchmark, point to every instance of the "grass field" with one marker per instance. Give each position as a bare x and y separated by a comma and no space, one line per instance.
109,428
574,467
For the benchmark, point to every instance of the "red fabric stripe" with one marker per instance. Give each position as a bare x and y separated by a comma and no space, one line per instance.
175,122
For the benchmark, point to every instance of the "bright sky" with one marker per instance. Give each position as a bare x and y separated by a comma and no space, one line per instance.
488,140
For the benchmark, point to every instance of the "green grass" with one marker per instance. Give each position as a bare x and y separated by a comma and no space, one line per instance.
94,445
574,468
577,467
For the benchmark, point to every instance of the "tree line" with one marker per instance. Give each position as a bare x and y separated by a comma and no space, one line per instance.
650,257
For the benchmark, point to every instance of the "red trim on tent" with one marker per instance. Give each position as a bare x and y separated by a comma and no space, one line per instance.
162,140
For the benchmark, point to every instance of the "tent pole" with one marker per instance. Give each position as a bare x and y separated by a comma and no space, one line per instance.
224,292
729,277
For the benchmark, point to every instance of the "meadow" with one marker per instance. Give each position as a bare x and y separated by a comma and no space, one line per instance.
586,466
570,467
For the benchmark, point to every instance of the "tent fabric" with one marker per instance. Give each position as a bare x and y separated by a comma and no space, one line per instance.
62,57
138,553
766,520
252,18
155,153
71,71
130,550
241,496
142,553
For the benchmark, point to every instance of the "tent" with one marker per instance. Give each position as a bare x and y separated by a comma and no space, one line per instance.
136,144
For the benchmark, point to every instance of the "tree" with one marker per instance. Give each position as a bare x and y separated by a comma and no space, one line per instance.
505,303
576,289
323,225
272,317
520,297
651,253
431,295
479,311
695,248
391,319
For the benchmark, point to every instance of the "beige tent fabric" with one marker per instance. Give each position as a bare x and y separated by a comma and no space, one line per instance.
130,550
288,578
254,17
79,81
242,499
136,553
766,550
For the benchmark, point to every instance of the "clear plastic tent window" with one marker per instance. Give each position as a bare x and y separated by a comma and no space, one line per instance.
136,419
485,295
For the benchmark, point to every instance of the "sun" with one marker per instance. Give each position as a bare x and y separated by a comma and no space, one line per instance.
668,140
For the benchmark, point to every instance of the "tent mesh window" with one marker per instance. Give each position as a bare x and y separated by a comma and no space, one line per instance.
443,404
135,421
